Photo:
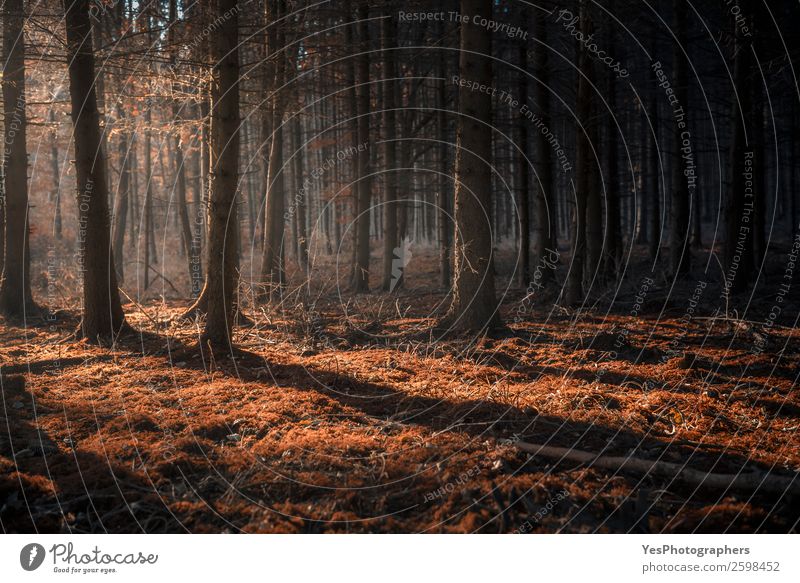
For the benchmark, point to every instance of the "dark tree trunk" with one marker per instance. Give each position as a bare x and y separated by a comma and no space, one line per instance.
16,299
546,219
363,178
680,258
272,270
221,280
123,194
57,220
655,171
738,249
180,165
390,247
300,210
612,239
102,311
583,163
474,306
444,180
523,157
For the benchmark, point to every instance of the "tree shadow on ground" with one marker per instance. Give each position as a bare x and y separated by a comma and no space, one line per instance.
97,494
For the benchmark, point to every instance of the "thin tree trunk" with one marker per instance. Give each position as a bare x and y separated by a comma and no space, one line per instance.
300,210
738,249
122,202
656,176
391,256
363,179
613,233
272,270
680,258
524,175
546,219
574,291
57,219
444,180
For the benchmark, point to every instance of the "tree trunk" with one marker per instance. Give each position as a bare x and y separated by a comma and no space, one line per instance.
523,188
123,195
16,299
594,203
655,171
444,179
102,311
583,163
738,251
613,234
391,256
363,179
301,205
546,231
474,306
272,270
681,229
180,163
221,280
57,220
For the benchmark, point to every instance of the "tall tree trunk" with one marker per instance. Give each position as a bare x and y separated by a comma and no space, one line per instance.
474,306
363,179
444,181
738,249
102,311
523,187
546,219
180,162
391,254
613,234
681,229
147,218
594,203
583,163
16,299
301,207
221,280
272,271
656,179
122,202
57,219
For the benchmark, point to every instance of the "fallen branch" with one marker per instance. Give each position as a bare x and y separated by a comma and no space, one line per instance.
755,480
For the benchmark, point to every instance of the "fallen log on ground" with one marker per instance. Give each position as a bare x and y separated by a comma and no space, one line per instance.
755,480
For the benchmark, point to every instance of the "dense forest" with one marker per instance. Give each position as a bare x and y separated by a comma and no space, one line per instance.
359,266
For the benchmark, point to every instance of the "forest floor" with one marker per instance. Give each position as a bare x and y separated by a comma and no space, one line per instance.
332,420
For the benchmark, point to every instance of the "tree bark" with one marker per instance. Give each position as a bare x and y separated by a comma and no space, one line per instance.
474,306
523,188
390,245
102,317
738,248
363,178
545,209
583,162
123,195
16,300
221,279
272,269
444,178
680,258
